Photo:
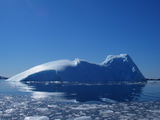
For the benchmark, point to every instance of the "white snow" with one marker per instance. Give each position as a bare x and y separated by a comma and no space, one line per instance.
36,118
58,65
43,110
83,118
114,68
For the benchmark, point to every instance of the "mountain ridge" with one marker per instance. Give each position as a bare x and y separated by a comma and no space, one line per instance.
2,77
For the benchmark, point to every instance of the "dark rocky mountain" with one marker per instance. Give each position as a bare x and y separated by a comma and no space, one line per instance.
1,77
152,79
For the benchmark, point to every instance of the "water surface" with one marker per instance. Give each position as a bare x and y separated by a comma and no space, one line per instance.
71,101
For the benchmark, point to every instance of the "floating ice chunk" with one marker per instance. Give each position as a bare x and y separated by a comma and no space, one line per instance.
36,118
84,107
79,108
123,117
9,110
42,109
106,112
114,68
6,115
83,118
52,106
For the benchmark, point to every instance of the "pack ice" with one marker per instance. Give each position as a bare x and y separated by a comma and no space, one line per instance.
114,68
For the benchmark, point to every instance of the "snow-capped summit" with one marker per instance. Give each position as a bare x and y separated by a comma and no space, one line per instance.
121,57
122,66
114,68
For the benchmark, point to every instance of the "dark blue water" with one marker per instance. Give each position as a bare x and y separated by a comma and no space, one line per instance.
75,100
83,92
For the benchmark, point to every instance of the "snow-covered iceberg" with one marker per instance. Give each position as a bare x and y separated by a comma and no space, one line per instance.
114,68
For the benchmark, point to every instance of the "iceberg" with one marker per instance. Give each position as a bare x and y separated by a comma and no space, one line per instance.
114,68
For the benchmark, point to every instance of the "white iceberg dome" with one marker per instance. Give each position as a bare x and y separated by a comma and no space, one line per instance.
114,68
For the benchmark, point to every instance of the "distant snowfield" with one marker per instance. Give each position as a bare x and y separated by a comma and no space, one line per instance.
114,68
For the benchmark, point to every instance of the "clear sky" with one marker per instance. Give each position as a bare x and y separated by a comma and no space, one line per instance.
33,32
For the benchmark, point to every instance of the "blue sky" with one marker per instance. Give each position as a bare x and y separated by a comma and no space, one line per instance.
33,32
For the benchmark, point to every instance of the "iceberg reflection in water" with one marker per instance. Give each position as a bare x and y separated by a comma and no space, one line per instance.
83,92
70,101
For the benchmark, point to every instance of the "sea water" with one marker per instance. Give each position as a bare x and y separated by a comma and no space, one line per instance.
79,101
